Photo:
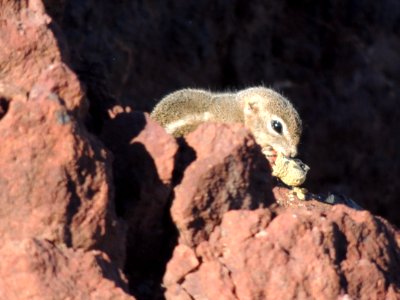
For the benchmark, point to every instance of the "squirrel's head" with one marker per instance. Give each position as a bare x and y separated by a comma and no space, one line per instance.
272,119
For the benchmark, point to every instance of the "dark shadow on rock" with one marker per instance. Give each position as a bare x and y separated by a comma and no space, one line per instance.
260,181
7,92
93,77
143,201
119,132
3,106
334,199
55,8
91,73
341,243
258,184
185,156
110,271
392,250
72,208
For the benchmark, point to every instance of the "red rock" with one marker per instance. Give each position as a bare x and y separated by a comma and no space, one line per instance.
56,200
160,146
37,269
27,45
57,193
293,254
60,80
177,292
55,180
184,262
229,173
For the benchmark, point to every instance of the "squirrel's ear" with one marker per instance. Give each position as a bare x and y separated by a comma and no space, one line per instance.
251,105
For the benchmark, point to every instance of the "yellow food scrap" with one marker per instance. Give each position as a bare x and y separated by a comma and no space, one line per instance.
292,172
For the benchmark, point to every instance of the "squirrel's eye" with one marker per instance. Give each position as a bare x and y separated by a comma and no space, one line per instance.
277,126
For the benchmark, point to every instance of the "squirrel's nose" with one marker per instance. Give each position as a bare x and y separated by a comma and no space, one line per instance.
292,152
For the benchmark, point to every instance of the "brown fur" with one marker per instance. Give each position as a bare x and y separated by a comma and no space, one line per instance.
182,111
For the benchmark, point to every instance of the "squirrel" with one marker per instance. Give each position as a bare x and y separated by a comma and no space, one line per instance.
272,119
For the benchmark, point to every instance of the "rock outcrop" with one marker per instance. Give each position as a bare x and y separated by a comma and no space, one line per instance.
229,172
55,181
335,253
97,201
39,270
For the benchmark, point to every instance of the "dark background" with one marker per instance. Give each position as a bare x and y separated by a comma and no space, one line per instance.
338,61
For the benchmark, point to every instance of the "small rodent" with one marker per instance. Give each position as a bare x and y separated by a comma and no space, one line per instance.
271,118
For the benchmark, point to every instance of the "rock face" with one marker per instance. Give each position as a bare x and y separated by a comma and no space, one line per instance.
46,158
229,172
98,202
226,251
290,254
55,181
41,270
27,45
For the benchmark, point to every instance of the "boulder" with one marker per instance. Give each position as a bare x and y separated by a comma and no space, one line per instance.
335,253
38,269
229,172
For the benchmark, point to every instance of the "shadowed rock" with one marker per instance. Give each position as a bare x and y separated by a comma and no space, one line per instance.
143,171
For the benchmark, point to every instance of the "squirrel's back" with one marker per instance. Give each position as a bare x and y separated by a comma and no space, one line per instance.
182,111
271,118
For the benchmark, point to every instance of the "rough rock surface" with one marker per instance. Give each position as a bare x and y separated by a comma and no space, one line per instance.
229,172
53,170
337,60
40,150
290,254
56,183
60,234
27,46
42,270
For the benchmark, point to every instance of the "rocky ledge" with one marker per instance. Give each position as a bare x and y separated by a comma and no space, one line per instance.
126,211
